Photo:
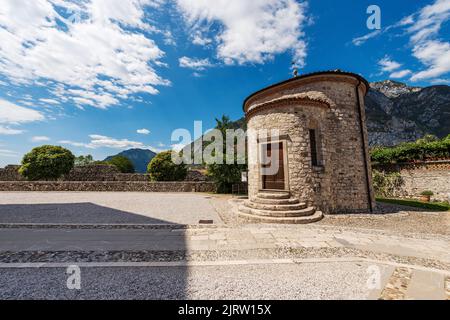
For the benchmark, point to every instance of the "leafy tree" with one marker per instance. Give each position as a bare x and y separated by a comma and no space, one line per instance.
225,175
123,164
47,163
84,160
162,168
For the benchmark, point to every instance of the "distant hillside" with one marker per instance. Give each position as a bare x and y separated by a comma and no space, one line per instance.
139,157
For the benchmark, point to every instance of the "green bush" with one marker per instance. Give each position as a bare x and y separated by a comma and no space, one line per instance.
123,164
47,163
162,168
427,193
428,148
385,184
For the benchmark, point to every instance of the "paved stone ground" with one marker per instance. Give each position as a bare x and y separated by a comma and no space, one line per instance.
273,279
260,282
106,207
416,244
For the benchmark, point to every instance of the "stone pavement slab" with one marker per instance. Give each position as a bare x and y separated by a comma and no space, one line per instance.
426,286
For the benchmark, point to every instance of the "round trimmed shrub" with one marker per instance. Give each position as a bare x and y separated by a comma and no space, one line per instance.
162,168
47,163
123,164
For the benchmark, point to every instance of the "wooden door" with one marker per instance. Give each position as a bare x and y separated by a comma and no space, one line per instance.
276,181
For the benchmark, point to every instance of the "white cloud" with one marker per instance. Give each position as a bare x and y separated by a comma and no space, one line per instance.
432,52
388,65
143,131
252,31
49,101
8,153
439,81
7,131
12,114
361,40
103,39
400,74
40,139
100,141
200,40
193,63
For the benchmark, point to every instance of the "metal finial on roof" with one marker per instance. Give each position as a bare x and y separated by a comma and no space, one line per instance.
294,66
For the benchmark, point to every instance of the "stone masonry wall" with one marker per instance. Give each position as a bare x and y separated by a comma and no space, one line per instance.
419,177
111,186
10,173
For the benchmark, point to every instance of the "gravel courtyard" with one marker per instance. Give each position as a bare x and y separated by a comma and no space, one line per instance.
345,280
106,208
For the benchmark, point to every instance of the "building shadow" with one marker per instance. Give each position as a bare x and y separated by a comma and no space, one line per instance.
67,213
143,243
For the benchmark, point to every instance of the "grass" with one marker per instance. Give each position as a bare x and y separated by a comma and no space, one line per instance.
434,206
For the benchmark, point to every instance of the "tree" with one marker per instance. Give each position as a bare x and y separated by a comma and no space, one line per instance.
84,160
47,163
225,175
123,164
162,168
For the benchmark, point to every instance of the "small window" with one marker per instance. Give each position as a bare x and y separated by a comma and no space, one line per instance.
314,148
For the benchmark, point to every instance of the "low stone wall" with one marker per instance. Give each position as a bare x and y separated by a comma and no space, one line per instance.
422,176
96,173
104,186
10,173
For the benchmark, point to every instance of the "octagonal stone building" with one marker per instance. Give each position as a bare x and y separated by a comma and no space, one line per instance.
312,129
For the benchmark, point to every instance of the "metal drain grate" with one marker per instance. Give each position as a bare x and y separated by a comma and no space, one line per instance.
206,222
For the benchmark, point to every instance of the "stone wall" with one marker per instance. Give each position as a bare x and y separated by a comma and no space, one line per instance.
419,177
10,173
96,173
111,186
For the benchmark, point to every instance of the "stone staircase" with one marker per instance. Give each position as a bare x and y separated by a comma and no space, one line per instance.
278,207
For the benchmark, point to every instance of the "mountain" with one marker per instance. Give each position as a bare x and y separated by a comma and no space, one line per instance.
139,157
399,113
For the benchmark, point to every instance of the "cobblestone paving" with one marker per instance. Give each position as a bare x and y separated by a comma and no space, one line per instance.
397,285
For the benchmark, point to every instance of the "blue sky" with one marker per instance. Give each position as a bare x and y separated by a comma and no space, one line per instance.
101,76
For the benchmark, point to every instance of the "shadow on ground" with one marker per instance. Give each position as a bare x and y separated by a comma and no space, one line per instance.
117,245
81,213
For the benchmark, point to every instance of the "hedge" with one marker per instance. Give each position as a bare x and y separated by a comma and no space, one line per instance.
426,149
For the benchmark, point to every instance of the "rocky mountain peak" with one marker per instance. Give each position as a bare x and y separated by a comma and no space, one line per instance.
393,89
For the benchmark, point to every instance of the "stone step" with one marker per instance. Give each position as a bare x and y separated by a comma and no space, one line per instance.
275,207
276,201
274,195
280,214
317,216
